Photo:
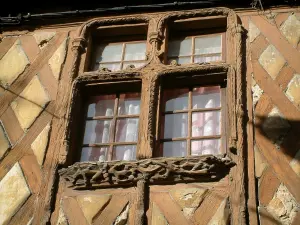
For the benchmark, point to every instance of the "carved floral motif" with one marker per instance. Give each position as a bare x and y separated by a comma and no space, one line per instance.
86,175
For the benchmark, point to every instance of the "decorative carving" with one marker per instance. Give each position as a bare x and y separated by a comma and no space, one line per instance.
87,175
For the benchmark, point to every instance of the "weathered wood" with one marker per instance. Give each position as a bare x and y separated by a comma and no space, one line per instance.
114,208
86,175
140,203
73,212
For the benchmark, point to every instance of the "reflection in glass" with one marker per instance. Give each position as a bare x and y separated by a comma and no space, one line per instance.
129,104
202,59
109,53
206,123
174,149
206,97
180,47
135,51
176,99
97,131
206,147
102,105
127,130
124,152
94,154
208,45
176,125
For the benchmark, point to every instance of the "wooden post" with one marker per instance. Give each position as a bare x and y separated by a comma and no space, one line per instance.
140,205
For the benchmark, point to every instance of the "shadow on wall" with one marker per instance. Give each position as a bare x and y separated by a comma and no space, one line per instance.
281,132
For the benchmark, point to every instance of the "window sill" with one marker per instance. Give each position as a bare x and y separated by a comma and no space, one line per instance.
92,175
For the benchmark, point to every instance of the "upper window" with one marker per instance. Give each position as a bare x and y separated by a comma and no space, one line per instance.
193,123
111,127
118,56
196,49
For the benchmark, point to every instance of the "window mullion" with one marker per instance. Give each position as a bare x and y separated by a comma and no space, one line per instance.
189,123
113,128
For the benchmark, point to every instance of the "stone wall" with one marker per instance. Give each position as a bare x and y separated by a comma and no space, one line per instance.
35,68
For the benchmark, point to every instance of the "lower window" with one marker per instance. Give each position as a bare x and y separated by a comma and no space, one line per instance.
193,121
111,127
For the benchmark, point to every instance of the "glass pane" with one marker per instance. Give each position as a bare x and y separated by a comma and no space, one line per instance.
174,149
129,104
176,99
109,53
206,123
102,105
202,59
208,45
176,125
94,154
127,130
181,60
180,47
135,51
111,66
206,97
136,64
206,147
97,131
124,152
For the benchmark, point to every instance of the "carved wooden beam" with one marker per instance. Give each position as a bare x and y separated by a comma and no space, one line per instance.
90,175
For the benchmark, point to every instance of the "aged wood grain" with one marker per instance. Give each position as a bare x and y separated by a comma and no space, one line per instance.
12,126
169,208
24,146
114,208
30,47
25,213
268,185
73,212
208,207
48,81
32,171
271,32
23,80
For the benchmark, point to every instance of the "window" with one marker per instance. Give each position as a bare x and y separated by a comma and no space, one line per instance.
111,127
118,56
193,122
190,113
197,49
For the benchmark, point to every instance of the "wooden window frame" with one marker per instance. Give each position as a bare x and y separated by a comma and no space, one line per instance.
193,36
189,138
113,127
122,61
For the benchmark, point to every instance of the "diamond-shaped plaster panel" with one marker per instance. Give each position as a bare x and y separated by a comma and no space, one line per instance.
293,90
4,143
14,192
58,58
43,37
39,145
275,125
272,61
291,29
12,64
283,206
253,31
31,103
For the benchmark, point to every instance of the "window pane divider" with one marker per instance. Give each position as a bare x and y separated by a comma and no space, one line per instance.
192,138
113,130
189,124
111,144
192,110
112,117
123,61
